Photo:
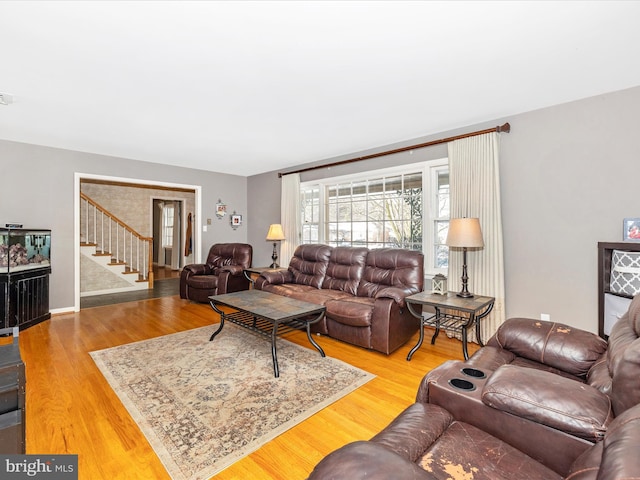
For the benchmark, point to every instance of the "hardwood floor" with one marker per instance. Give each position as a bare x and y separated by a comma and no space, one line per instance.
71,408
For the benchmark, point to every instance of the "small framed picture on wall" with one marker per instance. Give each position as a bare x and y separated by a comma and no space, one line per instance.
236,220
631,230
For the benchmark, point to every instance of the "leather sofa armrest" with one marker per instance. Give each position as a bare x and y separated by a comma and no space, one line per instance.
198,269
395,293
274,277
560,346
367,460
233,269
549,399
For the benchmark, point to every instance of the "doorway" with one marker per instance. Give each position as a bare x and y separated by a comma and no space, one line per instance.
187,196
168,237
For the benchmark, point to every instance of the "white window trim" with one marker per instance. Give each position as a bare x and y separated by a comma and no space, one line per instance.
429,190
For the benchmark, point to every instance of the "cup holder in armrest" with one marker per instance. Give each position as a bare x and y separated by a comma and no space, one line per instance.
461,384
473,372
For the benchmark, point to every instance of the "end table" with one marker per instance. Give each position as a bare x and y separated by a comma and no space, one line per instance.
453,313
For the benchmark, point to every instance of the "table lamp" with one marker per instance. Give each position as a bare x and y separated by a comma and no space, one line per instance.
275,235
464,233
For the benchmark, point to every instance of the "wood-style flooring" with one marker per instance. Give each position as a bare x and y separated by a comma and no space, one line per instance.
72,409
167,282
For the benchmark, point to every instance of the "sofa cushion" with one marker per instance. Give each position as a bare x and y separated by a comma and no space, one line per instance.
466,452
345,268
309,263
549,399
354,311
204,282
554,344
392,267
288,289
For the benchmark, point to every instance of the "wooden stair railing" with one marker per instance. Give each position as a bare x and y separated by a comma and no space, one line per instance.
113,237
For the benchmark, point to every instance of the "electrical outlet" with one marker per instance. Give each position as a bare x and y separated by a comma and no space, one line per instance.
545,316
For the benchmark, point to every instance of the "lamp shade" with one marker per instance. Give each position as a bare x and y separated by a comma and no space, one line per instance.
464,232
275,232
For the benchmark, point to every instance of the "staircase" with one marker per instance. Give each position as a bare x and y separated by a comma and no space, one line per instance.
122,255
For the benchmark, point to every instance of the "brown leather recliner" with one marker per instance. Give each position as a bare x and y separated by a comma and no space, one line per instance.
548,389
222,273
427,442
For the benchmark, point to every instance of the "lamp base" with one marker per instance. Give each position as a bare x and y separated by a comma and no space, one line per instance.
465,294
274,257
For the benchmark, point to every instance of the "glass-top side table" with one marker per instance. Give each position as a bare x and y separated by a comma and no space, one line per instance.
453,313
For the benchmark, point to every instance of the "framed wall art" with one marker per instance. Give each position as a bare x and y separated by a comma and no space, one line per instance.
236,220
221,209
631,230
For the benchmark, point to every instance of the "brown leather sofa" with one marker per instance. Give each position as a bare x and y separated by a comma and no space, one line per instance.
363,291
427,442
564,399
223,272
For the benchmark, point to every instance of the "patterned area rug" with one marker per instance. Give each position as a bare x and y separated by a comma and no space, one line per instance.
204,405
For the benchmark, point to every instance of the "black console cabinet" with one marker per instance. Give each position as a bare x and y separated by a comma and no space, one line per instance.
12,396
25,299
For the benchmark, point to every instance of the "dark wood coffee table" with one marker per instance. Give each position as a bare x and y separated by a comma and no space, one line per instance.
266,313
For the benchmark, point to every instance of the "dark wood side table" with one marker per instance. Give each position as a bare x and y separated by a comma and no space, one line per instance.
453,313
252,273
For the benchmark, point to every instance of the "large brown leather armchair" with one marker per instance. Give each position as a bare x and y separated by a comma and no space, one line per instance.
222,273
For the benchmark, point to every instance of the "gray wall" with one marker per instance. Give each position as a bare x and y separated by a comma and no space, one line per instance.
38,191
569,175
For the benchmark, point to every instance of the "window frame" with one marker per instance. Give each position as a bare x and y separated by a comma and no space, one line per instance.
166,226
429,170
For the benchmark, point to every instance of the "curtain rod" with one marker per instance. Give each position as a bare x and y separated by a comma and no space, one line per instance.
506,128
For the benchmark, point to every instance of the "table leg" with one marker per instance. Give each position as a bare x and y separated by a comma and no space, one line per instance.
478,333
478,318
437,332
213,305
418,315
311,340
274,353
465,351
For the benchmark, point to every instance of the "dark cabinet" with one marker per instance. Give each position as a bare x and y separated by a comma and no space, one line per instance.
611,304
12,396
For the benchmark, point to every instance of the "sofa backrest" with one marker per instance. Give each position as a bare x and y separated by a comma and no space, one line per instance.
223,254
309,263
345,268
392,267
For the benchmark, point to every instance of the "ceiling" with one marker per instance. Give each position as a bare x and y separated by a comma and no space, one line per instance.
249,87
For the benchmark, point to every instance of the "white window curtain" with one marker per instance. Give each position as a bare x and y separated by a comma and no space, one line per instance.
475,192
290,217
